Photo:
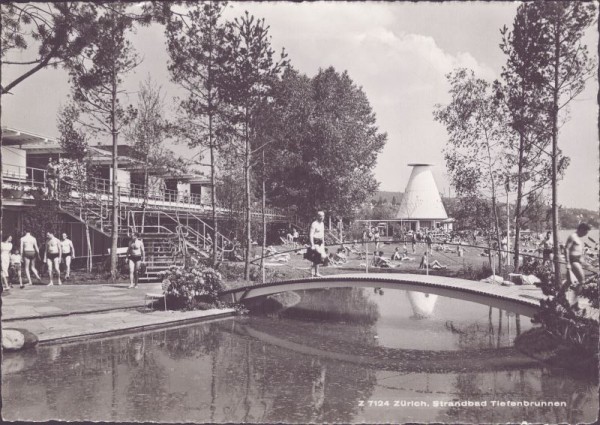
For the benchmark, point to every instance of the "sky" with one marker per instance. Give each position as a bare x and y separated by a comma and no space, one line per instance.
398,52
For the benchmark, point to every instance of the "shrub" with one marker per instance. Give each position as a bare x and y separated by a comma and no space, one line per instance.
562,319
193,287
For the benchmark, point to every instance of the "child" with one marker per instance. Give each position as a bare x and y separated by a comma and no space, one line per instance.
396,254
15,264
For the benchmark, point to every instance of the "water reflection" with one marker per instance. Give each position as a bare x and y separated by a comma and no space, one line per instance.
304,367
422,304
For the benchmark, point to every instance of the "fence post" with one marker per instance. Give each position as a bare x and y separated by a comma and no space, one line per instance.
367,257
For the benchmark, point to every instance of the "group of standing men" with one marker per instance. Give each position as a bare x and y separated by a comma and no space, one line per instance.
56,252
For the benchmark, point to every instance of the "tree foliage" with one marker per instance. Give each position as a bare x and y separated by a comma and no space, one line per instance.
198,59
97,88
247,85
327,144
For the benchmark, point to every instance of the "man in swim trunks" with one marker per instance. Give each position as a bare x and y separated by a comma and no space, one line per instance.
52,256
136,255
316,237
546,247
68,252
574,252
30,251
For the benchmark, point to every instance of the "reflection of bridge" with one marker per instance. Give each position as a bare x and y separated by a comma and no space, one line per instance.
404,360
518,299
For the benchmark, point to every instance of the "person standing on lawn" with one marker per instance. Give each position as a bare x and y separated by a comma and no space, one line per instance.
316,237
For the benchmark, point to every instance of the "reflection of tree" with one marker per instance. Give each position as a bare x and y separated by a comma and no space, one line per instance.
520,386
493,335
349,305
146,391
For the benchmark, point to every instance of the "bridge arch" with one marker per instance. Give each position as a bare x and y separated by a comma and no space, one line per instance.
512,298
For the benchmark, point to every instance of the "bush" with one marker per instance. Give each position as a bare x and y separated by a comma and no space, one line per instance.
194,287
568,322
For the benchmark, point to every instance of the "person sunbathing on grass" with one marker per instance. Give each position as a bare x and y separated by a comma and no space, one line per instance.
434,265
380,261
272,254
340,256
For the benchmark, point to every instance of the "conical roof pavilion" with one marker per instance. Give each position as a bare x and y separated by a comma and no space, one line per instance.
421,200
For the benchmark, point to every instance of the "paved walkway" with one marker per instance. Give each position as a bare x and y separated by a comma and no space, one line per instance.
66,312
63,329
43,301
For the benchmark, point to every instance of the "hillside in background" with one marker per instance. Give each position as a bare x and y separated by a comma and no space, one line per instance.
382,196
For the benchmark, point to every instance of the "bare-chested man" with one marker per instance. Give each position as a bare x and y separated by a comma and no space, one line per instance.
574,253
68,252
30,251
52,256
135,255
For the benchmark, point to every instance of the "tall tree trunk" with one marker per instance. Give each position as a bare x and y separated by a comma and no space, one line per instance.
213,195
264,222
555,241
114,234
519,203
89,247
247,193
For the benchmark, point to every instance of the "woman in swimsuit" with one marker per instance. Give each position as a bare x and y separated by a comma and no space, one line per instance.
135,255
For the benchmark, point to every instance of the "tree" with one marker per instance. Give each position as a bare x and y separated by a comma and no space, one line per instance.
526,103
564,69
147,133
97,86
196,45
327,144
248,84
76,168
476,155
58,30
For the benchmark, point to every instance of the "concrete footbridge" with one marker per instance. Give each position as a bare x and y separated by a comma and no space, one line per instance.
519,299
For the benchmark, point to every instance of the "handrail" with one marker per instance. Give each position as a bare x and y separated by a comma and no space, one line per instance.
28,175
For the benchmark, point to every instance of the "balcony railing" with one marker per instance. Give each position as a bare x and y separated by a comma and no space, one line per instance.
22,178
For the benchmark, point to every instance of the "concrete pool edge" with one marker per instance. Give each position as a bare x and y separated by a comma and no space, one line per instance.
167,319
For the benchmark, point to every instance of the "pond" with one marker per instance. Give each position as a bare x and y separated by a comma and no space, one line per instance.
343,355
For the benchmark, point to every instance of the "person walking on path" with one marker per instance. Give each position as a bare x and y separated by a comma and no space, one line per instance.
574,254
16,262
68,253
316,237
6,248
136,255
413,242
52,256
30,251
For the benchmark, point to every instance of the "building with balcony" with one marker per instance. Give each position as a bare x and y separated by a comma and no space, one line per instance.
172,212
